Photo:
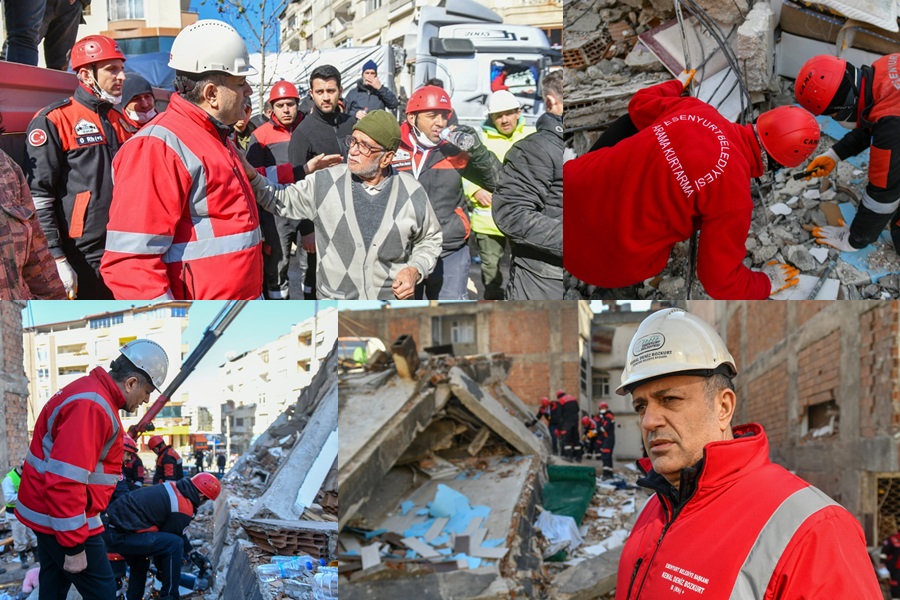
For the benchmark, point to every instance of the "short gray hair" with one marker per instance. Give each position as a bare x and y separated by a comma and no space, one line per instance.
191,85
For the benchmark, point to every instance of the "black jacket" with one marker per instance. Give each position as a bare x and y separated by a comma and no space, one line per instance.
364,97
151,509
528,201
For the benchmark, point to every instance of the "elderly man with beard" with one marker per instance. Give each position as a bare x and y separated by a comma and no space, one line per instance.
376,233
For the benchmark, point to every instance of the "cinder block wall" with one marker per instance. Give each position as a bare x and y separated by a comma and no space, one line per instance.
792,355
541,336
13,388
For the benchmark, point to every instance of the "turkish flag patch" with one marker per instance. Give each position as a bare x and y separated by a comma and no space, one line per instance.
38,137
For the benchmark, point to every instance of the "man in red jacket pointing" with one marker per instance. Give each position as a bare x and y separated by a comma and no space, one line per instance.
678,166
725,522
73,465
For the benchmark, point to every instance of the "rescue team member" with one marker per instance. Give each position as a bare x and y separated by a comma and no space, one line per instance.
132,465
168,462
725,522
268,152
503,127
150,523
606,427
589,436
70,149
73,465
138,102
23,537
865,100
183,223
684,167
890,554
568,424
553,425
440,167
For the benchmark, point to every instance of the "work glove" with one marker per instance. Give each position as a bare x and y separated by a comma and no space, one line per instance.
686,77
474,134
836,237
822,165
781,276
69,277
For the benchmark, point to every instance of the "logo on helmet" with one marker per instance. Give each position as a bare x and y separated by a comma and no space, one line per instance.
648,343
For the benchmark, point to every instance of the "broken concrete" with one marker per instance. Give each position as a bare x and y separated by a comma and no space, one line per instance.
588,579
754,47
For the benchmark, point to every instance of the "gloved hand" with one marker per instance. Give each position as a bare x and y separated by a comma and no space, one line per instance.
781,276
69,277
473,133
686,77
836,237
822,165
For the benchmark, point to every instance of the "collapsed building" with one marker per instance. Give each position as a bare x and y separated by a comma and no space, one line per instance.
746,55
280,498
443,475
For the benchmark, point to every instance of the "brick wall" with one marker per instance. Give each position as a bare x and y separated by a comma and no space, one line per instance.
13,388
819,371
765,326
521,331
807,309
878,360
761,405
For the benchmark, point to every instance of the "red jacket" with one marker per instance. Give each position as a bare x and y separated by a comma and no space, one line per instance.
268,150
168,466
750,529
183,222
687,167
80,427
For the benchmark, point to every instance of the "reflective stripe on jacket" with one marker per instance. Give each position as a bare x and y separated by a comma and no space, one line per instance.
751,529
183,222
168,466
74,461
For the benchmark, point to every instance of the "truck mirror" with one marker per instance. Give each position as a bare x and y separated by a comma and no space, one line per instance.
450,46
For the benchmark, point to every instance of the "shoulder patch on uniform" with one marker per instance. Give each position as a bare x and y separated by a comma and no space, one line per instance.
85,127
55,105
37,137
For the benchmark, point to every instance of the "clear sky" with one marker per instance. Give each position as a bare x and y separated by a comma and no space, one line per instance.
208,10
258,323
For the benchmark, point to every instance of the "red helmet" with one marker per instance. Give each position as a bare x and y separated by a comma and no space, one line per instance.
208,485
818,82
560,394
94,48
789,134
545,401
585,421
155,441
429,97
130,446
283,89
603,406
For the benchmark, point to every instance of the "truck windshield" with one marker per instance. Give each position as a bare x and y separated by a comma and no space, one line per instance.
520,77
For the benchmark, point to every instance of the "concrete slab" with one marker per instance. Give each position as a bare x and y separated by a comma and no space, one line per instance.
366,411
484,583
487,408
240,580
588,579
364,463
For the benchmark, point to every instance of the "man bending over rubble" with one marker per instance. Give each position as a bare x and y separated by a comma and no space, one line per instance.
671,165
865,100
725,522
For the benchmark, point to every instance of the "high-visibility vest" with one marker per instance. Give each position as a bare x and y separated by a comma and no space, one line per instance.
16,478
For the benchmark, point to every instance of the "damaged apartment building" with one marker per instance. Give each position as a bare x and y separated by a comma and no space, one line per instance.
821,378
747,55
445,470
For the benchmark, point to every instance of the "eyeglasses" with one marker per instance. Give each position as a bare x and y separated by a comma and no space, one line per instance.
364,148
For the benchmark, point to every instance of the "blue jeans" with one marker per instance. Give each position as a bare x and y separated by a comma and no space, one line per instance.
167,551
450,277
94,583
23,23
59,30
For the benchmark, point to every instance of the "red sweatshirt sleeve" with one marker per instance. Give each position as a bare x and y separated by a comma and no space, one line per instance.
649,103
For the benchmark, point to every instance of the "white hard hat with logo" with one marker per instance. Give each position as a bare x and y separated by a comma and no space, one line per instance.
674,342
149,357
210,45
502,101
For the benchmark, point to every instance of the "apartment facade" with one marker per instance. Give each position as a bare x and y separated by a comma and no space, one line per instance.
56,354
258,385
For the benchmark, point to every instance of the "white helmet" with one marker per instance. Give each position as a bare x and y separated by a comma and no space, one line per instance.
149,357
674,342
210,45
502,101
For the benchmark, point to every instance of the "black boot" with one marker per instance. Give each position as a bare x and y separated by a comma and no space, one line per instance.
37,560
23,558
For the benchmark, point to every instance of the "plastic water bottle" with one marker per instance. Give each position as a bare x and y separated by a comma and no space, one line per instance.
268,573
325,583
462,140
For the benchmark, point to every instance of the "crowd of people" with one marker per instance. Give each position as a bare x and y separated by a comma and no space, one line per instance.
594,439
197,202
695,166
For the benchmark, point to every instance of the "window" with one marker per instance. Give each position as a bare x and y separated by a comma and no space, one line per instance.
43,374
239,422
600,385
170,412
109,321
264,356
292,23
179,311
42,355
462,332
125,9
372,6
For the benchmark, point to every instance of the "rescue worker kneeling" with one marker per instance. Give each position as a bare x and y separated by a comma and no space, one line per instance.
149,522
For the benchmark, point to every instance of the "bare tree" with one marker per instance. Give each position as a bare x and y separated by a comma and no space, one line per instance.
257,22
